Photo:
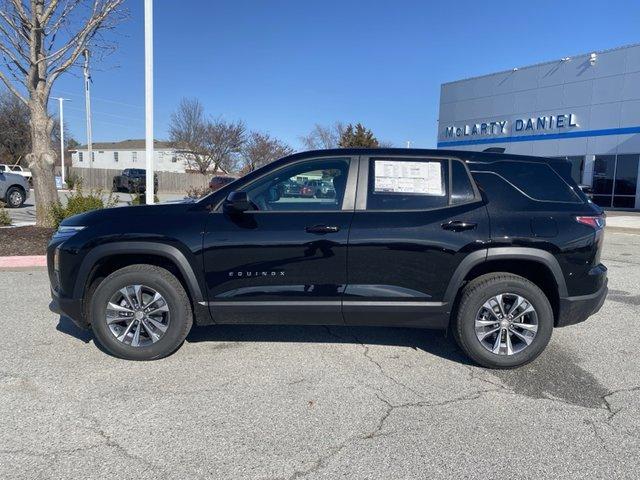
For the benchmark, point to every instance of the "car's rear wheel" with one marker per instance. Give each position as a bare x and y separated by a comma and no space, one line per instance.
141,312
15,197
503,320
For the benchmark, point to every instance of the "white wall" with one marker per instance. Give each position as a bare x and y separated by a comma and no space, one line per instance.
163,159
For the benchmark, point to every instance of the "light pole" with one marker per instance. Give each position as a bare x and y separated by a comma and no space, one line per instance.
61,100
148,98
87,102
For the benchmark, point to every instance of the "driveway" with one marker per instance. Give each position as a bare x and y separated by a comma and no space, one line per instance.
258,402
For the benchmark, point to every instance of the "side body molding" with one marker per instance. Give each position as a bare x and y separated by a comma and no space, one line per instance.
141,248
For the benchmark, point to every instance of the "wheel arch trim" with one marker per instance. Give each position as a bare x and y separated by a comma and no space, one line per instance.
168,252
505,253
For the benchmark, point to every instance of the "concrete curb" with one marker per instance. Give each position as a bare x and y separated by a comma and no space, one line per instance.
23,261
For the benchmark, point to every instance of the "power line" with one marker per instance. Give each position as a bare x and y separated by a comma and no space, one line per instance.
101,121
115,115
102,99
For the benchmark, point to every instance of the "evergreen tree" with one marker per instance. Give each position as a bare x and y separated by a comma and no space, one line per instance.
358,137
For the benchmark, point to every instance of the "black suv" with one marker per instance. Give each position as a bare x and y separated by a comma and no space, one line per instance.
133,180
498,249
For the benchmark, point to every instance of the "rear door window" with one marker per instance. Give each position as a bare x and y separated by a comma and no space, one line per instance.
407,184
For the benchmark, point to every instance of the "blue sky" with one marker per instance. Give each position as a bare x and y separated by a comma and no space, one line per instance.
282,66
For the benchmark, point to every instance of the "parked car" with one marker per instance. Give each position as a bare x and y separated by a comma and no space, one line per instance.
14,189
498,249
290,188
217,182
19,170
133,180
318,189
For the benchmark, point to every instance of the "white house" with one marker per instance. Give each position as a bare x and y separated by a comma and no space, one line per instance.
130,154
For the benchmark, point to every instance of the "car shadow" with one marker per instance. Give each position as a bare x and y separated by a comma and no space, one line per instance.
66,325
434,342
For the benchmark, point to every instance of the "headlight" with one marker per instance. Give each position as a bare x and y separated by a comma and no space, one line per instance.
66,232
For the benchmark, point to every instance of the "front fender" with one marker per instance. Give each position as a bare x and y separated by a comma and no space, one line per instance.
169,252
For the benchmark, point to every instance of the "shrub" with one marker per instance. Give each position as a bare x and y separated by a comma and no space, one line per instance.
5,219
197,192
79,202
73,180
140,199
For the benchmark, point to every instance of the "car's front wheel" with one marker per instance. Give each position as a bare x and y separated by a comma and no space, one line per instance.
503,320
140,312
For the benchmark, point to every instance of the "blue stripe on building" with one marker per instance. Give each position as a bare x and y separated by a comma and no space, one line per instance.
548,136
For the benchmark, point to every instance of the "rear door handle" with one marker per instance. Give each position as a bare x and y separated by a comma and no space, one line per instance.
458,226
322,229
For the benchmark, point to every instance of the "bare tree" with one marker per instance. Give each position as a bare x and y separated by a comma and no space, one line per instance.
323,137
15,137
262,149
15,131
187,131
39,41
224,142
208,144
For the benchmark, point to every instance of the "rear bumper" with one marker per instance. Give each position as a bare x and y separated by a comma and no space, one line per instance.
577,309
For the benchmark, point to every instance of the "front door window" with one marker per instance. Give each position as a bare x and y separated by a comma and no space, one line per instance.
317,185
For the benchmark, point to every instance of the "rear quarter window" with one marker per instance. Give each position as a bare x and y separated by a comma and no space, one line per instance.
536,180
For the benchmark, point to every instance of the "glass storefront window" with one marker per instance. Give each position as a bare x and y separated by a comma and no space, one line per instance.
615,180
603,171
577,166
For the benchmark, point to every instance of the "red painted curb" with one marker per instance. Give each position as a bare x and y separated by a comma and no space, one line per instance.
23,261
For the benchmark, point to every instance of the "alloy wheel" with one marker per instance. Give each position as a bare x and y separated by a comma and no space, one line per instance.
15,198
137,315
506,324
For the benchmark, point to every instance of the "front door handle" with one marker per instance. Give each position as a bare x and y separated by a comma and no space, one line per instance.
458,226
322,229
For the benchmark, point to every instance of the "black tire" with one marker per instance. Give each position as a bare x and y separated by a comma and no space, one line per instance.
162,281
475,294
15,197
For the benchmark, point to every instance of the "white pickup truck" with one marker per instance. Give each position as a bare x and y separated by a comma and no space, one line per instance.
18,170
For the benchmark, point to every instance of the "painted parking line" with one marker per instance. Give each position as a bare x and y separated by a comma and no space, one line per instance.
23,261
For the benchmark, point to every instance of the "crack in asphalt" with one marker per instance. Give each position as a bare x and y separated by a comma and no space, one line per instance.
372,360
609,407
110,442
321,462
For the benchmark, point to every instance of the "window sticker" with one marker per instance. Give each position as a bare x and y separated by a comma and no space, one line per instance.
421,178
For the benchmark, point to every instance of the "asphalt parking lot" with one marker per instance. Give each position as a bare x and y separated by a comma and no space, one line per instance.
315,402
26,215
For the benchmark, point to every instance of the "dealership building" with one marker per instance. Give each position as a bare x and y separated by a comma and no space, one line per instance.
585,108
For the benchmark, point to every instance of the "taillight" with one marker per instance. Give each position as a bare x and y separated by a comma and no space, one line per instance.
596,222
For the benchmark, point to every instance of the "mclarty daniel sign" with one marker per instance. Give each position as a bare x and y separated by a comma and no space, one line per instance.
504,127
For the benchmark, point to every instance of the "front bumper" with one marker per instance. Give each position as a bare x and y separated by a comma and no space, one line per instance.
574,310
68,307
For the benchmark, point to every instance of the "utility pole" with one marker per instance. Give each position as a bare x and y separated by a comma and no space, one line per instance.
61,110
87,102
148,99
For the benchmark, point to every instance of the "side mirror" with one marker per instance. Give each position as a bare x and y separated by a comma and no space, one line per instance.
237,202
